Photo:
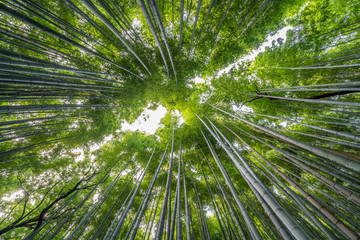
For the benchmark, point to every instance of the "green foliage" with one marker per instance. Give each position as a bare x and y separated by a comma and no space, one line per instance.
69,79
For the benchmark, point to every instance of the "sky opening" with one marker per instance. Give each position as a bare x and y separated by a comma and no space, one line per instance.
148,121
253,54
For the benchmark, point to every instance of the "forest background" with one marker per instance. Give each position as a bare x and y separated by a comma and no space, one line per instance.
255,143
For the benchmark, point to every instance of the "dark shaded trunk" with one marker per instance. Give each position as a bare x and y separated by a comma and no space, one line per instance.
332,94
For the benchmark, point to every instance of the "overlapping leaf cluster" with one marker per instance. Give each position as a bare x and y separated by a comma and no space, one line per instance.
268,148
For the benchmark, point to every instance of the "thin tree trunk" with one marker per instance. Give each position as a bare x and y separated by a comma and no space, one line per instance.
147,198
127,209
315,150
160,226
252,179
249,222
187,212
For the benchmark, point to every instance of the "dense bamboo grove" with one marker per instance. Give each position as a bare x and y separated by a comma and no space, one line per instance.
266,146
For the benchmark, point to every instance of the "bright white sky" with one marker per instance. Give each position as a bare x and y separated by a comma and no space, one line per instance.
80,154
13,196
148,121
268,43
250,57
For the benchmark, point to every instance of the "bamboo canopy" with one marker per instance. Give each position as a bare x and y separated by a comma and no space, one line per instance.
258,130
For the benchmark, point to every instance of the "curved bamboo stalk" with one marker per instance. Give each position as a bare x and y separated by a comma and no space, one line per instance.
81,203
321,67
161,223
72,6
181,27
99,201
55,67
321,208
315,150
342,134
218,29
249,222
315,101
290,192
213,203
142,6
187,212
224,196
204,225
173,221
147,198
129,204
155,8
194,28
49,31
108,24
207,16
151,214
248,174
100,226
179,235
